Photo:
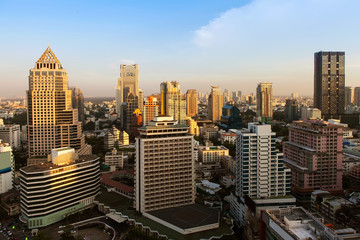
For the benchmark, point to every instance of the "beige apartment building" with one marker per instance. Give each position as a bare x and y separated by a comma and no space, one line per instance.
212,154
52,122
191,103
216,102
164,166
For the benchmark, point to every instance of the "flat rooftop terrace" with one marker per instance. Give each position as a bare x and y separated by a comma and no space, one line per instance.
123,205
190,216
51,166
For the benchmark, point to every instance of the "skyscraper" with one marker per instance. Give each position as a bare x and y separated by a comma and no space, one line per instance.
329,82
216,102
357,96
127,109
348,96
52,122
264,95
291,110
314,154
77,100
173,103
150,110
128,83
164,166
191,103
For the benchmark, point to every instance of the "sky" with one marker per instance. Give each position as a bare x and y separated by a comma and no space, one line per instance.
228,43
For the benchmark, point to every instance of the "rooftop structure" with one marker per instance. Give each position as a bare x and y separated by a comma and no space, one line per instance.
298,224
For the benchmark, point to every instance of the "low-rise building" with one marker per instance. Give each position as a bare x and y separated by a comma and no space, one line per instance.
326,204
212,154
114,158
297,223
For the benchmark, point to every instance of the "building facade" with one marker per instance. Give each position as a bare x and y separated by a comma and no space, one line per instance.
230,118
191,103
173,103
151,110
357,96
11,134
49,192
7,167
264,98
291,110
212,154
216,102
262,180
128,82
164,166
52,122
314,154
114,158
349,97
329,82
77,99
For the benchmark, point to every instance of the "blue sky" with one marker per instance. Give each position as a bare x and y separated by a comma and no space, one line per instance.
233,44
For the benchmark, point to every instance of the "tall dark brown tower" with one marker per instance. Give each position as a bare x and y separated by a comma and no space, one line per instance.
329,82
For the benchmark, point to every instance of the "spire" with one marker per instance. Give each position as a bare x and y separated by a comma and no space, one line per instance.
48,60
48,57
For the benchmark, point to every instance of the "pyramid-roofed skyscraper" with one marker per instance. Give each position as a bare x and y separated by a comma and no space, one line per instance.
52,122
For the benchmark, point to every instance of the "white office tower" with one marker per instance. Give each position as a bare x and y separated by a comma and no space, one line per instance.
260,172
164,166
66,184
6,167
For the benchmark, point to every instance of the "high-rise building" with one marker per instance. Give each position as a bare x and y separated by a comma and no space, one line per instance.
173,103
191,103
261,178
264,95
49,192
193,127
77,100
216,102
128,82
137,121
7,167
164,166
314,154
127,109
260,167
291,110
151,110
230,118
348,96
52,122
10,134
329,82
357,96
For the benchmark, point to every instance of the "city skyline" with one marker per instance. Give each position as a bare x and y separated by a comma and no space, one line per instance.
197,44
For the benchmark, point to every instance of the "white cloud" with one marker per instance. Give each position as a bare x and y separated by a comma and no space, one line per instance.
276,39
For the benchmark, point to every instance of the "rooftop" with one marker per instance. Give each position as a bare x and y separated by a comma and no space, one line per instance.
50,166
190,216
123,205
